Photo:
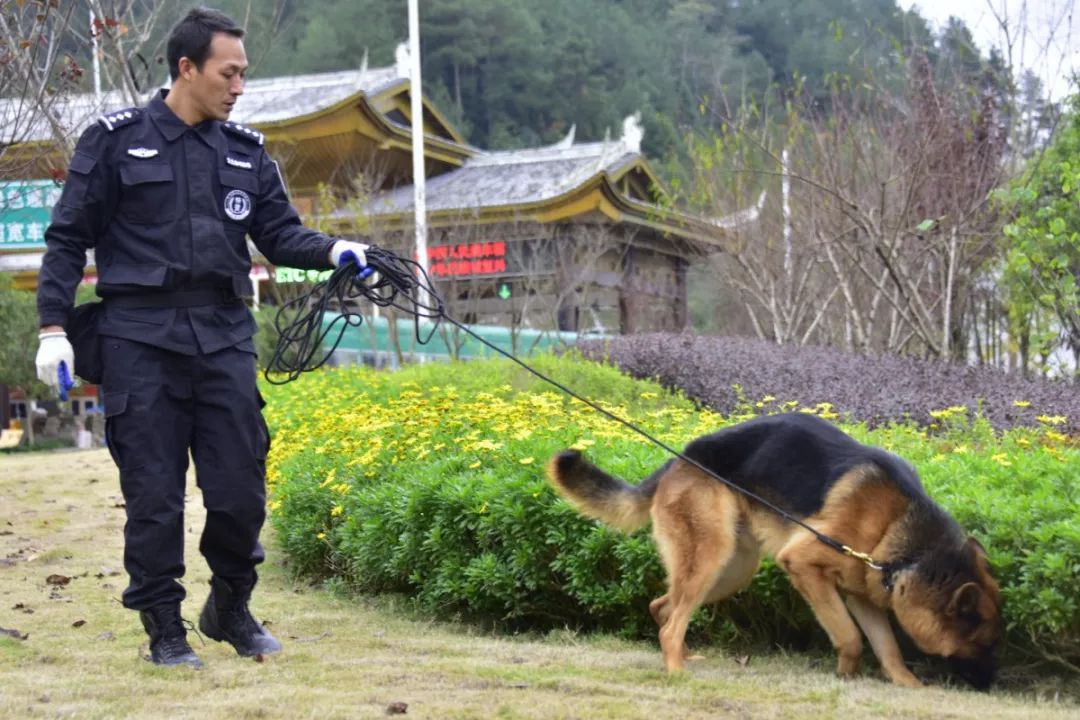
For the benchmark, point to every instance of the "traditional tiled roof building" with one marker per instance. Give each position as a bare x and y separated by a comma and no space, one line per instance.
573,235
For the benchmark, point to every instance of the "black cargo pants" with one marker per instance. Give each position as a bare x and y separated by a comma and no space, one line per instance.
158,406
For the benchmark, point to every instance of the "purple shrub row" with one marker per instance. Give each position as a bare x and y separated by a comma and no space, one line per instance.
873,389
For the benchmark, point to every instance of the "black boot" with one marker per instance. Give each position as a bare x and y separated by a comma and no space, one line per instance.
168,639
226,617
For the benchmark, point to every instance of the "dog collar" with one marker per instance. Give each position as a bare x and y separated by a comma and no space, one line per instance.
889,571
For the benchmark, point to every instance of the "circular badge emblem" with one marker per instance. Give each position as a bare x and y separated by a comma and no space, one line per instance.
237,204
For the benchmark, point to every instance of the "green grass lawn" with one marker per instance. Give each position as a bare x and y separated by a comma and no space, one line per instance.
350,657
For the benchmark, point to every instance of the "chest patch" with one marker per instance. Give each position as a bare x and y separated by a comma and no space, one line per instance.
237,204
236,162
142,152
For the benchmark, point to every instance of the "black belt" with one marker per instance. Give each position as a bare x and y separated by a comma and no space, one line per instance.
174,298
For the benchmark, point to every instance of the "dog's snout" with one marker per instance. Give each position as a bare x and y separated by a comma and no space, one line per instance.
979,672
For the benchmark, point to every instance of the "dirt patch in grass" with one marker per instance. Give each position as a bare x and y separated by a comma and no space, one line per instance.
73,651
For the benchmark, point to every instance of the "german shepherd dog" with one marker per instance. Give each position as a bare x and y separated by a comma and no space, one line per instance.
712,538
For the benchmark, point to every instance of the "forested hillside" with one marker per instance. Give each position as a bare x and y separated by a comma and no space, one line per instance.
513,73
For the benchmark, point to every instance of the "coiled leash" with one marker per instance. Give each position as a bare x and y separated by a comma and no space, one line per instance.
400,283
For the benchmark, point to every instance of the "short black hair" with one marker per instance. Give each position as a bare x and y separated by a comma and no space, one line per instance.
192,36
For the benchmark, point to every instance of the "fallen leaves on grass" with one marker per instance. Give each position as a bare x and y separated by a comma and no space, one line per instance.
13,633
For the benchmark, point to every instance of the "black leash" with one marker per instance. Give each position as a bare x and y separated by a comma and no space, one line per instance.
302,336
395,284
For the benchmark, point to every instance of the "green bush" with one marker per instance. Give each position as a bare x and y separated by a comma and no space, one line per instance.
430,482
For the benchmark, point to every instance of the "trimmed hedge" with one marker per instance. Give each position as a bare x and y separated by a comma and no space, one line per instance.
873,389
430,482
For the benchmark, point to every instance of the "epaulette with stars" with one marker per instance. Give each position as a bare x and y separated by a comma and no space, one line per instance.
119,119
245,132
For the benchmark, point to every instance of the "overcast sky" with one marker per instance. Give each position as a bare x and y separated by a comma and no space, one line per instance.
1050,46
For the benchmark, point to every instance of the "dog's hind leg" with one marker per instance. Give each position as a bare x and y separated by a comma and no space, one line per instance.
660,609
739,570
875,623
695,522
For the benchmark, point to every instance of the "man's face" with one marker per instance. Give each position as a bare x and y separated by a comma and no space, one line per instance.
215,89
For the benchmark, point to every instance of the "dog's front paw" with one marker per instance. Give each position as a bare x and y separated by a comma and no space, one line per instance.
905,679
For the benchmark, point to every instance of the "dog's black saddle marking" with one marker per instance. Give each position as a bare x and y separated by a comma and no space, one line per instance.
794,459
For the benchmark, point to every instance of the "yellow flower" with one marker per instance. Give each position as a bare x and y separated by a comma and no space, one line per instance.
337,511
960,449
321,536
475,465
1051,419
1022,403
1000,459
526,461
274,505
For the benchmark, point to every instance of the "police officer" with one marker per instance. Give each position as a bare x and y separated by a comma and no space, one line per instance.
166,195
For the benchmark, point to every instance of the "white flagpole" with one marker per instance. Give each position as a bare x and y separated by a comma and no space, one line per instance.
417,110
95,62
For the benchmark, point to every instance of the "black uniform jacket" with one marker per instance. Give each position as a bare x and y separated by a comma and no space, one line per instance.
166,207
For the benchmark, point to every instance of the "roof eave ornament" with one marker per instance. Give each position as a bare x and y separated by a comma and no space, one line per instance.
567,141
741,217
401,60
632,132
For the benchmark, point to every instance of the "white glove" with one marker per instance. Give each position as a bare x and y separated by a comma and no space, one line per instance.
54,348
344,251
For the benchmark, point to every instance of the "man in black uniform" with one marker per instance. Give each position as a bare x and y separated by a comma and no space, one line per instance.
165,195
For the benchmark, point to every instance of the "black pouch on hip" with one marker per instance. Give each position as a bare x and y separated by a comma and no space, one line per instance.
82,332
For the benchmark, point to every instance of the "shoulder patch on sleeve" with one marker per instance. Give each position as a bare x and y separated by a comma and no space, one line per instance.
245,132
119,119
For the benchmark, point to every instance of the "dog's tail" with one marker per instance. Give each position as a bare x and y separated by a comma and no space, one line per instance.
599,495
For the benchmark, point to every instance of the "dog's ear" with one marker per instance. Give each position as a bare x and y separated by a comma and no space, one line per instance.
974,547
965,601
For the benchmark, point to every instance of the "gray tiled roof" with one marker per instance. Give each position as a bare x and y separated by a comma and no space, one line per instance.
494,179
283,98
264,100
